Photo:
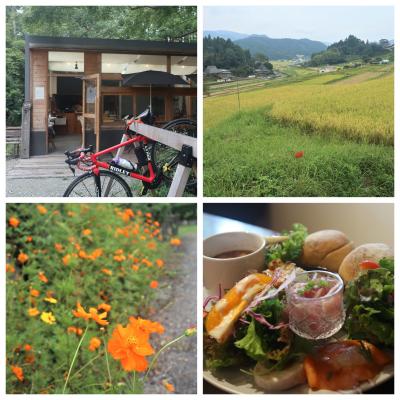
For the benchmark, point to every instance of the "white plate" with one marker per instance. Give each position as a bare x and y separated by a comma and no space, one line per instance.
232,380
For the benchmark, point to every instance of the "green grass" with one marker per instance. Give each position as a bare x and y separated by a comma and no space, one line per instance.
250,154
187,229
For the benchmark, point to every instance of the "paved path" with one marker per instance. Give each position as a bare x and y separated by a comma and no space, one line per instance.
176,310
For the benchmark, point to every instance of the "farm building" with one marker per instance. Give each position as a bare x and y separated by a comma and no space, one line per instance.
328,68
212,70
76,83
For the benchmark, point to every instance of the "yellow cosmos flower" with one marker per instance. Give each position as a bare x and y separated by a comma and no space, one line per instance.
48,317
51,300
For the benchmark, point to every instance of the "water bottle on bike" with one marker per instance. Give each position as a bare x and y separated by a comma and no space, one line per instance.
123,163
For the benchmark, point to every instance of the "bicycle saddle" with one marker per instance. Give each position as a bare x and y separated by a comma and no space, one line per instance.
147,117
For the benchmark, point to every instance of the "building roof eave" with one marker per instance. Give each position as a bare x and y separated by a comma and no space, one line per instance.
111,45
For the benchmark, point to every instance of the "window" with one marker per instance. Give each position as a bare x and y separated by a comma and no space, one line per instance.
130,63
66,61
157,105
115,107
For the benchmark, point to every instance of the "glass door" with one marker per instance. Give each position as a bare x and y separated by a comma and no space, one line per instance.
91,108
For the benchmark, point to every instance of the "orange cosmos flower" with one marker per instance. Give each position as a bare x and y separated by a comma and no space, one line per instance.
29,358
94,343
42,210
104,306
99,318
58,246
74,329
169,386
10,268
22,258
80,312
154,284
151,245
29,239
43,277
71,214
33,312
14,222
156,223
34,292
175,242
159,262
66,259
147,262
106,271
96,253
130,344
86,232
148,215
18,372
119,258
28,347
135,267
71,329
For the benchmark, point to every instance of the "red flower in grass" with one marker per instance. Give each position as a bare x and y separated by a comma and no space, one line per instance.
299,154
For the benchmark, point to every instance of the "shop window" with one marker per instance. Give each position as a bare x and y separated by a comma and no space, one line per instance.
115,107
157,105
179,106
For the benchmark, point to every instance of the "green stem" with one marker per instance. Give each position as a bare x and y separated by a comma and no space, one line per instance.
134,382
108,365
159,352
74,358
87,364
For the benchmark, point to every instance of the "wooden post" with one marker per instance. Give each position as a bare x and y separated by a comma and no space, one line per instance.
179,182
26,129
176,141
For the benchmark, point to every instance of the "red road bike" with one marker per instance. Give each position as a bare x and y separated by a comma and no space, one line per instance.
156,162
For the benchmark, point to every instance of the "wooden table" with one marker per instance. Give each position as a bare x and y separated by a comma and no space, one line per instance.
213,224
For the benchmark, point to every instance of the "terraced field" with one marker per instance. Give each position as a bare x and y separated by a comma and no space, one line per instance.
350,110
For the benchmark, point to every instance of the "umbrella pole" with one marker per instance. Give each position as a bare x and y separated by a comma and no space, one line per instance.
150,98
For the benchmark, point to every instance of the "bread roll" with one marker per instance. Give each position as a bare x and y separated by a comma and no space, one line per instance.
326,248
350,268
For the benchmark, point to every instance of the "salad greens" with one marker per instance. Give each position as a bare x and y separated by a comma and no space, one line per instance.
258,342
289,250
370,305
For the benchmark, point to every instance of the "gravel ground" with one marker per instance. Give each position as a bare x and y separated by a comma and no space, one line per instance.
37,187
176,310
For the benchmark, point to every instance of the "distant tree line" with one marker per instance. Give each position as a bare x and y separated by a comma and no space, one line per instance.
349,49
225,54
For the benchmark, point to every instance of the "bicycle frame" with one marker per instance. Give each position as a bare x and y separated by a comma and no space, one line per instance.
102,164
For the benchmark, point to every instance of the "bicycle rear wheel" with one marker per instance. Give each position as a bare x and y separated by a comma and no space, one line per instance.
108,184
167,157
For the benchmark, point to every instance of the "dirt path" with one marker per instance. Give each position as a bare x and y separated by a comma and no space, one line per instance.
177,311
358,78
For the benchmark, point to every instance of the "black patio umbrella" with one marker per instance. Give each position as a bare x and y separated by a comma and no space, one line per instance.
152,78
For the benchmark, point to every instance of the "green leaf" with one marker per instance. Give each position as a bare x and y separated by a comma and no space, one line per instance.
251,343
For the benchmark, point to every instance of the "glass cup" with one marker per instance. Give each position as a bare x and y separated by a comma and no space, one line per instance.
315,304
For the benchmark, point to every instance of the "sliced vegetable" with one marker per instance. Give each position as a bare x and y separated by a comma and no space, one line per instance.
367,264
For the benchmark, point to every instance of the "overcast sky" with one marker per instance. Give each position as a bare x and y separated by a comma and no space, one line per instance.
327,24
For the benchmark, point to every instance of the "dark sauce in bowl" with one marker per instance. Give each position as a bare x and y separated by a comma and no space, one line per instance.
233,254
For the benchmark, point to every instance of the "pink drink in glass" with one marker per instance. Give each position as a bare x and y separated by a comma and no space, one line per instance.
315,304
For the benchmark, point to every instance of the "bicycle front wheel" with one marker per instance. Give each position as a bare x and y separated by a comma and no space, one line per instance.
107,184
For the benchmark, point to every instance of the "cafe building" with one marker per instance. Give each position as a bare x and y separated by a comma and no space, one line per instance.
74,88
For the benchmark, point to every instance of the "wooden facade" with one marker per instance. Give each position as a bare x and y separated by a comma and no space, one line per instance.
37,88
